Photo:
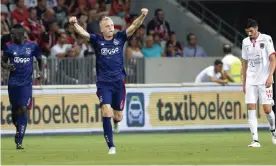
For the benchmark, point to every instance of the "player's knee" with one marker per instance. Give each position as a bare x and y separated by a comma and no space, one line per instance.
267,108
251,107
107,111
118,116
23,110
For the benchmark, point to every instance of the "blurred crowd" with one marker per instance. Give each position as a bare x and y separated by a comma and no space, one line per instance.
46,22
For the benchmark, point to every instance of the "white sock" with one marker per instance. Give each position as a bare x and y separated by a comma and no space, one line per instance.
253,124
271,119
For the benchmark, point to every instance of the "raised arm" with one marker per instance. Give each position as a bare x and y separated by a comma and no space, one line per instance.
137,23
73,20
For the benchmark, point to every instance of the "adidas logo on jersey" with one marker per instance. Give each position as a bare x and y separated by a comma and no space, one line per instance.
21,60
106,51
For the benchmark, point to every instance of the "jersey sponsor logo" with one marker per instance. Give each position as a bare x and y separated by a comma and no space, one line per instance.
106,51
256,61
21,60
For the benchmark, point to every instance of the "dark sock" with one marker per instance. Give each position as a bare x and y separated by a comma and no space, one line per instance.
22,125
14,118
108,135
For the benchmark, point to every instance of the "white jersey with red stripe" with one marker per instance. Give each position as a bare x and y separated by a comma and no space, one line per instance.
257,53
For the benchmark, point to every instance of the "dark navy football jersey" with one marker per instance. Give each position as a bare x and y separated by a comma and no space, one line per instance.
109,57
22,56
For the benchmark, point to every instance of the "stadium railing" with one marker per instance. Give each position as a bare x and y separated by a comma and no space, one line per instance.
213,20
64,71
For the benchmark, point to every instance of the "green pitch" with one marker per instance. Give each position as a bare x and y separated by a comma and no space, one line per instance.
185,148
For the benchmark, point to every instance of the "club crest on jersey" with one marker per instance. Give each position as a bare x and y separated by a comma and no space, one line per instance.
28,51
262,45
116,42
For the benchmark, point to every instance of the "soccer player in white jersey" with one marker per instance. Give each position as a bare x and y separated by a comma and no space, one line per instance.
258,66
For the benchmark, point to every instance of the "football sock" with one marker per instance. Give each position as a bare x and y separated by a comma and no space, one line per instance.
14,118
253,124
271,119
108,135
22,125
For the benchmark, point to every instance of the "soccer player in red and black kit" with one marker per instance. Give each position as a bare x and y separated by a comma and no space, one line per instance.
20,53
110,70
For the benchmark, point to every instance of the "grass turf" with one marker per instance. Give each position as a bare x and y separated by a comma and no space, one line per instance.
166,148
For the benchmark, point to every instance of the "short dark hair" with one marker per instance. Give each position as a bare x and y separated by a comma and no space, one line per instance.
17,26
31,8
227,48
172,33
59,34
189,36
251,23
218,62
157,10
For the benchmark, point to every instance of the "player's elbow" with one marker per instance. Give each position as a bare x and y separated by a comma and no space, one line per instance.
272,58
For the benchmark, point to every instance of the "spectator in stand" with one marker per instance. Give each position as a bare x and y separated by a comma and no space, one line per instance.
5,10
49,38
61,13
51,3
41,9
71,6
85,48
133,49
72,36
151,49
158,41
177,45
130,18
193,49
5,27
30,3
33,26
49,18
118,8
170,51
59,49
103,9
83,21
20,14
231,65
212,74
159,25
141,36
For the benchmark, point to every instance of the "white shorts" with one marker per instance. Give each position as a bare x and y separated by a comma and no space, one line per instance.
255,92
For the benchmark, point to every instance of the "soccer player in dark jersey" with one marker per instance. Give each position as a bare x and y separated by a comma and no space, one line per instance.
20,53
110,70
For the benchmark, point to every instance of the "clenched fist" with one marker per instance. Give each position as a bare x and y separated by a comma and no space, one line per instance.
73,20
144,11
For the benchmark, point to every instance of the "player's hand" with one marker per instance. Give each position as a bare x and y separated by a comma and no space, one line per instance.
39,75
73,20
243,89
268,82
144,11
11,67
